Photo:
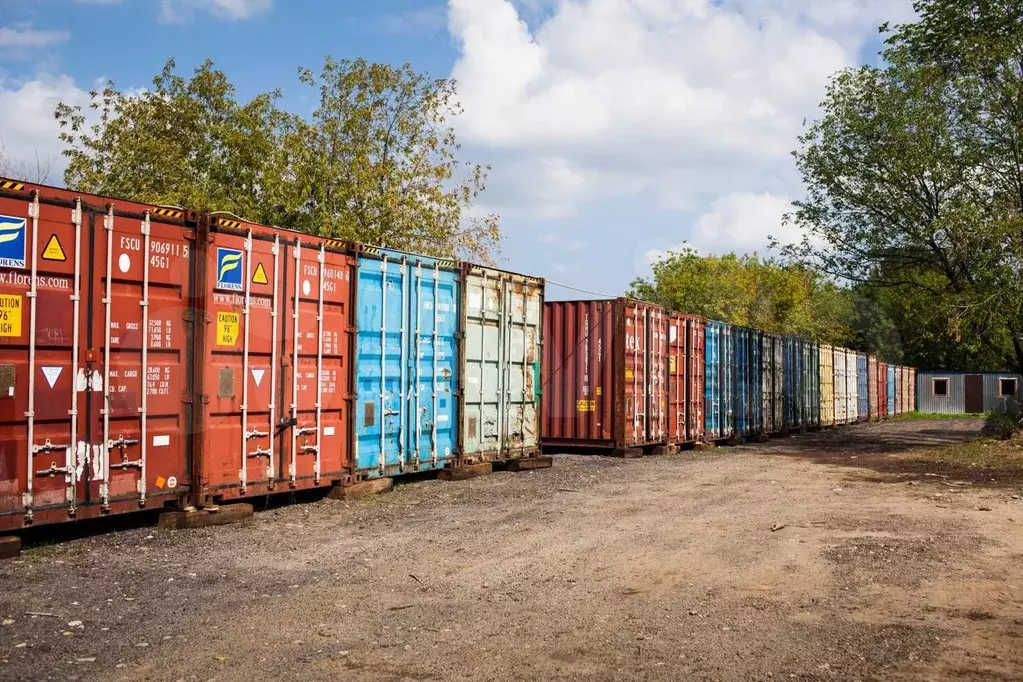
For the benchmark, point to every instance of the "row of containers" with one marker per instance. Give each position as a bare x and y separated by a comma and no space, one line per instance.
627,375
156,357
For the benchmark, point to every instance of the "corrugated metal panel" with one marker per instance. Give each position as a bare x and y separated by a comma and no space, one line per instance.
767,382
501,345
827,384
862,387
892,404
778,384
882,390
841,389
851,386
994,399
812,389
604,382
872,387
743,372
686,360
406,364
912,389
712,403
899,387
954,400
795,376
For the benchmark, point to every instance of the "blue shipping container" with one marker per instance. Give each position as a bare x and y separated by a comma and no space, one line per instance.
712,408
862,388
892,407
406,363
742,380
794,374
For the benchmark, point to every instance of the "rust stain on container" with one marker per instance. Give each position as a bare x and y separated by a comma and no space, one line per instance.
686,362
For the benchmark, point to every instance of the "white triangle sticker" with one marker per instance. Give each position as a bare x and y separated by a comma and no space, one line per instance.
51,374
257,375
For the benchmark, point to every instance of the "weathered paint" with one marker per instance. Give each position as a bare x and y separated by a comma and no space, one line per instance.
719,388
827,385
604,373
851,387
811,384
406,363
862,387
841,387
500,371
891,407
686,360
278,353
873,400
773,390
794,377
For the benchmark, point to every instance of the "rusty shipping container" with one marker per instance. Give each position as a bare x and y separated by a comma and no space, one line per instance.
912,389
153,357
686,335
604,367
872,388
882,390
502,332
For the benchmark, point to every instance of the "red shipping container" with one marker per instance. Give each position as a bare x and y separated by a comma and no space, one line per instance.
882,390
685,378
604,374
147,357
277,410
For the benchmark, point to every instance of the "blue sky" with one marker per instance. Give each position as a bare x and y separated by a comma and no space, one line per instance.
616,128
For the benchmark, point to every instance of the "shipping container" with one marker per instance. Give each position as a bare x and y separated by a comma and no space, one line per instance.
892,405
862,387
748,382
872,395
773,392
502,335
719,389
276,352
407,314
812,384
154,357
686,360
795,376
827,385
899,392
841,387
852,387
604,370
882,390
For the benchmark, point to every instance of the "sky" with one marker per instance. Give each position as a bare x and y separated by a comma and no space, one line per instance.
615,130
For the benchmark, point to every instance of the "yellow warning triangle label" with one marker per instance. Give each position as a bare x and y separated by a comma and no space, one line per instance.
53,250
259,276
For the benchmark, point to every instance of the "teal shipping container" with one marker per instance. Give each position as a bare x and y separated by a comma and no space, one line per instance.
719,384
502,319
406,364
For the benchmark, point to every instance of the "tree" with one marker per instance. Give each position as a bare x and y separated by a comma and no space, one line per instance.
37,171
914,173
379,162
376,162
748,291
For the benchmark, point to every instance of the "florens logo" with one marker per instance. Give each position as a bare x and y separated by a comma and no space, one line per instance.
229,269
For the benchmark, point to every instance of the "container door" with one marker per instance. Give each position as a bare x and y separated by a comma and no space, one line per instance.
139,440
432,364
45,453
381,299
484,325
657,365
695,358
767,384
678,378
712,382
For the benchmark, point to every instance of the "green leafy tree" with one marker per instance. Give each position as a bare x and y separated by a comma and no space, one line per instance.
749,291
914,175
376,162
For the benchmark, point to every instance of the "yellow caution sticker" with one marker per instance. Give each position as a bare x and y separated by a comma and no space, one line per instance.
599,390
53,250
585,406
227,328
10,315
629,373
671,364
259,276
160,481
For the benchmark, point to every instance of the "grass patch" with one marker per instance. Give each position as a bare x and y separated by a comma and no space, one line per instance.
986,453
911,416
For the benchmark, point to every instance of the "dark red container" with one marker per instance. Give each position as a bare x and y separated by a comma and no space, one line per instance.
154,357
604,370
882,390
686,362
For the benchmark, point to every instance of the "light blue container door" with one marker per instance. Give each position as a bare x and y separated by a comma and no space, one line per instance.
405,364
891,390
712,381
862,388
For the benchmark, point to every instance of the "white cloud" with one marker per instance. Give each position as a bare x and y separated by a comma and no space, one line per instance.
685,101
743,223
178,11
27,126
24,36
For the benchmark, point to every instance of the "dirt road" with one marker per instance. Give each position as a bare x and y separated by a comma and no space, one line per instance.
660,568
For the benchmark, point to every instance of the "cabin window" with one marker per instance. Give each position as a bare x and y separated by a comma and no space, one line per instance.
939,388
1006,388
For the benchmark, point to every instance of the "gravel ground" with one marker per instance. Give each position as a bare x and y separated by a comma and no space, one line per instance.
659,568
